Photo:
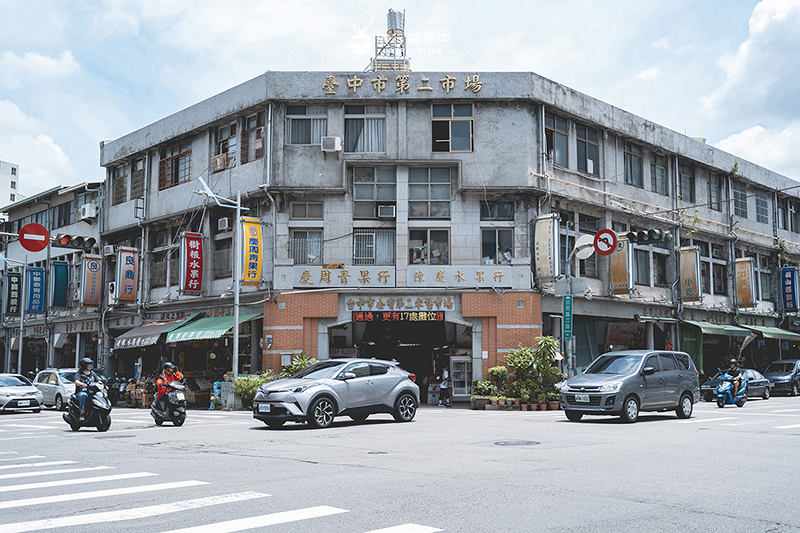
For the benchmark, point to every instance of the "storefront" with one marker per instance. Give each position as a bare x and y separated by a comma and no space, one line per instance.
709,344
139,349
772,344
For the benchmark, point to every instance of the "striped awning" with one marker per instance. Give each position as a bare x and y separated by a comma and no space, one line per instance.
207,328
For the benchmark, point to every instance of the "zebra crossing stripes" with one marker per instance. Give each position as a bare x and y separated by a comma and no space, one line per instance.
52,472
76,481
407,528
243,524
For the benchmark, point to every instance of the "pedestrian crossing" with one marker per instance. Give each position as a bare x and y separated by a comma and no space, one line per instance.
21,501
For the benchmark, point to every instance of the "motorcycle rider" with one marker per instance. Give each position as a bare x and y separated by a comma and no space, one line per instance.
170,373
736,373
83,378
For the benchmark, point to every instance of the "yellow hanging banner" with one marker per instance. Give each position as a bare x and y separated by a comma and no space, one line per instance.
252,247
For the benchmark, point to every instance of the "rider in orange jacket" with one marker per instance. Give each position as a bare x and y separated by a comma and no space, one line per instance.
170,374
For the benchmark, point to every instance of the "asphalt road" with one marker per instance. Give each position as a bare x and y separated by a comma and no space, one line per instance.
453,470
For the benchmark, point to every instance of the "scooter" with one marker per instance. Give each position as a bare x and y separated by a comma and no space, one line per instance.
98,410
174,405
725,392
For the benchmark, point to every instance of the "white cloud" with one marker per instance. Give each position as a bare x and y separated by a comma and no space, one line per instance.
17,70
650,74
775,149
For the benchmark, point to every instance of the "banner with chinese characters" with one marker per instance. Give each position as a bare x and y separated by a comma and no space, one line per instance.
251,247
91,278
35,290
690,274
454,277
391,303
398,316
59,283
127,274
309,276
622,267
191,282
745,282
789,288
14,287
545,248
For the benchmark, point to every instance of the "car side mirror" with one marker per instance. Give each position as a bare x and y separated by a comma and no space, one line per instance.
648,370
348,375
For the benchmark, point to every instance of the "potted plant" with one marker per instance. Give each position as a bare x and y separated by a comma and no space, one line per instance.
501,400
542,401
552,401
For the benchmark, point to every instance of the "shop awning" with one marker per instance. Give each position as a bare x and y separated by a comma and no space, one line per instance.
719,329
775,333
207,328
148,333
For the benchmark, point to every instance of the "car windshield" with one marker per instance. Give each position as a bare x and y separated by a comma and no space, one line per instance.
321,370
67,377
615,364
780,366
13,381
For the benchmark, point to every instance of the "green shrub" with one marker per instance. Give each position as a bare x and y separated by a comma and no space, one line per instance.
499,376
246,386
483,387
520,361
298,363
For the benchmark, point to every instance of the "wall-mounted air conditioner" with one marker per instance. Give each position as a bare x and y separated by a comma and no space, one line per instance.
88,211
224,224
331,144
108,249
112,292
386,211
219,162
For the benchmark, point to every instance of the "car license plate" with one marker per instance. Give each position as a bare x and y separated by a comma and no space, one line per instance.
181,396
24,403
583,398
264,408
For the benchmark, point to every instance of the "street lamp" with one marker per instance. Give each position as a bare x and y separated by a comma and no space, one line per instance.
224,202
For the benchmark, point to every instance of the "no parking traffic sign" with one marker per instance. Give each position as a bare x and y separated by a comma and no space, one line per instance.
605,242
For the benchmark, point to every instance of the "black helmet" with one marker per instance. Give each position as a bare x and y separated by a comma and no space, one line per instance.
733,362
85,363
169,366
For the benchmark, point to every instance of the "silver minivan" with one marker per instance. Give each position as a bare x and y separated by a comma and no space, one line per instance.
627,382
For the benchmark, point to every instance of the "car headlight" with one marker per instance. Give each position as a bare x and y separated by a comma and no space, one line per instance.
301,388
611,387
5,394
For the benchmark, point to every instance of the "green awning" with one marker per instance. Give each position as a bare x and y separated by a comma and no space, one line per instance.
775,333
719,329
207,328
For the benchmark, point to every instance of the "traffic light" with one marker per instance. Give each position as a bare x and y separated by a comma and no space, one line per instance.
648,236
75,241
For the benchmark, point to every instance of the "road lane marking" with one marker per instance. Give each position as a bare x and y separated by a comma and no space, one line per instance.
407,528
35,465
76,481
32,436
785,411
20,458
49,472
25,426
793,426
128,514
99,494
697,420
272,519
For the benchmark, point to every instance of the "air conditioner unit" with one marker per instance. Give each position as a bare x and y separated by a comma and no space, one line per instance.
88,211
331,144
386,211
161,239
112,292
108,249
219,162
224,224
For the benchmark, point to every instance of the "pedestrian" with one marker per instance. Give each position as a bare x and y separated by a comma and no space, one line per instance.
444,389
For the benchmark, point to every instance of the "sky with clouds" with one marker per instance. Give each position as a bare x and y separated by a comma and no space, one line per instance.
74,73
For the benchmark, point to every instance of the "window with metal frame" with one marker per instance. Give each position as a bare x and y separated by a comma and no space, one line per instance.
364,128
222,259
555,131
119,184
305,247
306,124
175,166
762,207
715,191
137,178
451,127
253,138
429,192
306,210
588,145
686,182
373,186
497,210
429,246
739,199
658,175
497,246
633,165
373,247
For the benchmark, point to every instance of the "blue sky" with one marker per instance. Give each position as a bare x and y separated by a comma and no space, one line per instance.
74,73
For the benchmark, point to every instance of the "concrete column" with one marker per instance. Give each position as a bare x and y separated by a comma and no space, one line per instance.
648,331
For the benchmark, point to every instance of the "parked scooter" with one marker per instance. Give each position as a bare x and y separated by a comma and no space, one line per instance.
725,392
98,410
172,406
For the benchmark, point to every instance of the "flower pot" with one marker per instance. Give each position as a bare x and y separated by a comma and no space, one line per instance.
524,406
541,407
553,406
516,401
501,402
480,403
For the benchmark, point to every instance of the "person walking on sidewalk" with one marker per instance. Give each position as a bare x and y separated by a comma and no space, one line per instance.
444,389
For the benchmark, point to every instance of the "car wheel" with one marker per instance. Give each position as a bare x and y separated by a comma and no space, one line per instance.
38,410
59,405
359,418
405,408
684,409
630,410
274,424
766,393
321,413
573,416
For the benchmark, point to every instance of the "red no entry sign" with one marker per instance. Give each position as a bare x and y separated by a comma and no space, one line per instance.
34,237
605,242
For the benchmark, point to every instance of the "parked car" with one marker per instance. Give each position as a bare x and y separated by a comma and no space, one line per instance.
334,387
758,386
785,376
627,382
57,385
17,393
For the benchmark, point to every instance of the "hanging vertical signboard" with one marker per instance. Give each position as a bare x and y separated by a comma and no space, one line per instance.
127,274
545,247
13,282
622,267
35,290
745,282
789,288
690,274
191,282
59,283
251,248
91,278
